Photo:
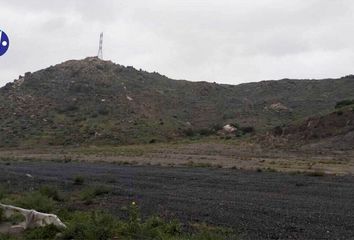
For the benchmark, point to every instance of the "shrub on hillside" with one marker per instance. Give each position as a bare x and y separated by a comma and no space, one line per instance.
217,127
246,130
235,125
70,107
344,103
205,131
189,132
102,110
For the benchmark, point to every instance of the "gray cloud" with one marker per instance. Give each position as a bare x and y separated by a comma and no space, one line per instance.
227,41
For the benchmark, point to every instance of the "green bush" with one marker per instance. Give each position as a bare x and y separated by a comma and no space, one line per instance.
79,180
88,194
37,201
2,192
152,228
344,103
157,228
50,192
205,132
235,125
1,215
189,132
90,226
43,233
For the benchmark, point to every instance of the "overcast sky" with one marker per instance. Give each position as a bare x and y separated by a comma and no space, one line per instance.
226,41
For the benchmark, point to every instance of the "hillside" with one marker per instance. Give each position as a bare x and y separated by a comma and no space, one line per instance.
330,131
96,101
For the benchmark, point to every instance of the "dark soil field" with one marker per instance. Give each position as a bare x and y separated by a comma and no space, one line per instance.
259,205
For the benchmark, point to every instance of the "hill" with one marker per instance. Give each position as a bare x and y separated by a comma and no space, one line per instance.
95,101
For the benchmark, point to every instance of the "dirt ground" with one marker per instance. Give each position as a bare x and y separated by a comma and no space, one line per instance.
259,205
239,155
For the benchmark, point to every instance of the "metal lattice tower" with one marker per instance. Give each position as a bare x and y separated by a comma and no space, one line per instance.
100,52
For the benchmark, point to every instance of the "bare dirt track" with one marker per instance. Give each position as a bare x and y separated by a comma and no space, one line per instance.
227,154
260,205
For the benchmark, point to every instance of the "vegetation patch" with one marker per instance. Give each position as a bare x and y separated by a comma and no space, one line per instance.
101,225
88,194
50,192
202,165
44,233
316,174
344,103
3,192
35,200
79,180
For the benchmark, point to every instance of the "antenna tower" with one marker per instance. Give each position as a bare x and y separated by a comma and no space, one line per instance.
100,52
